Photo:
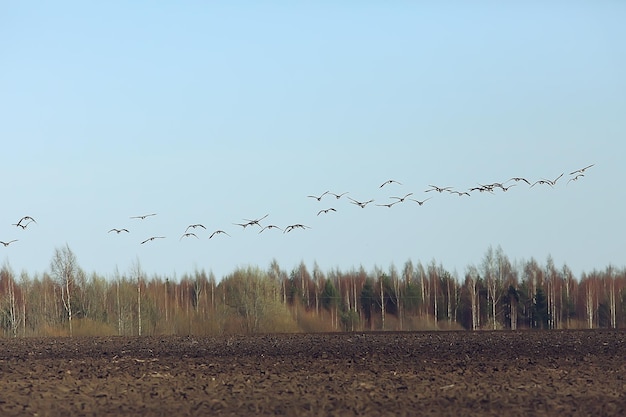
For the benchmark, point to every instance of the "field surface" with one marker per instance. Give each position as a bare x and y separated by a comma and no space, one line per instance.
357,374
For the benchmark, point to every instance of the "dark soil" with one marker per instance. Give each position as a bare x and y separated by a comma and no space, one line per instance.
355,374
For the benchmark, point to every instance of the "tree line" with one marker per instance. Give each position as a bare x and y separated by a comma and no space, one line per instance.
493,294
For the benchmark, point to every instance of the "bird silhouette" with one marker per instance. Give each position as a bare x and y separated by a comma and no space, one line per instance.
270,226
8,243
575,178
421,203
401,199
459,193
325,211
295,226
518,179
542,182
217,232
193,226
361,204
251,222
389,182
581,170
438,189
556,179
118,231
152,238
319,197
388,204
25,218
338,196
143,216
188,235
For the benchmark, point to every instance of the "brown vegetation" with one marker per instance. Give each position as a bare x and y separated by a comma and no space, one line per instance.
494,294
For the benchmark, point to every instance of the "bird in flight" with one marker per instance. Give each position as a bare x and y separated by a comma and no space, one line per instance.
25,218
118,231
8,243
152,238
319,197
542,182
251,222
401,199
388,204
338,196
556,179
144,216
193,226
270,226
505,189
575,178
549,182
518,179
188,235
389,182
421,203
325,211
217,232
581,170
295,226
438,189
459,193
361,204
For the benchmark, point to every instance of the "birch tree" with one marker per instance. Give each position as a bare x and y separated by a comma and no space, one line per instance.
64,267
471,282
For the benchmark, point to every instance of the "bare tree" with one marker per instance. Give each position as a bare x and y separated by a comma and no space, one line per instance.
10,309
64,267
137,274
471,282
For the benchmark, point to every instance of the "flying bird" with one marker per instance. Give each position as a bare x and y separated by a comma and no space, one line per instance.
325,211
459,193
581,170
438,189
144,216
270,226
575,178
24,219
295,226
556,179
217,232
318,198
542,182
401,199
193,226
188,235
118,231
338,196
8,243
388,204
389,182
361,204
251,222
518,179
152,238
421,203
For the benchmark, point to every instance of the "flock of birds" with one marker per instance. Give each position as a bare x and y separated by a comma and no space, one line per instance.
189,232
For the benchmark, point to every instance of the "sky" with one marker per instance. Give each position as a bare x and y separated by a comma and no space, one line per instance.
218,113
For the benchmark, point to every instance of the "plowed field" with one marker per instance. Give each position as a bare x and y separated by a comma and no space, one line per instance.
356,374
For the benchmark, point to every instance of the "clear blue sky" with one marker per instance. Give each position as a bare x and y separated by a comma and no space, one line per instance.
215,112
